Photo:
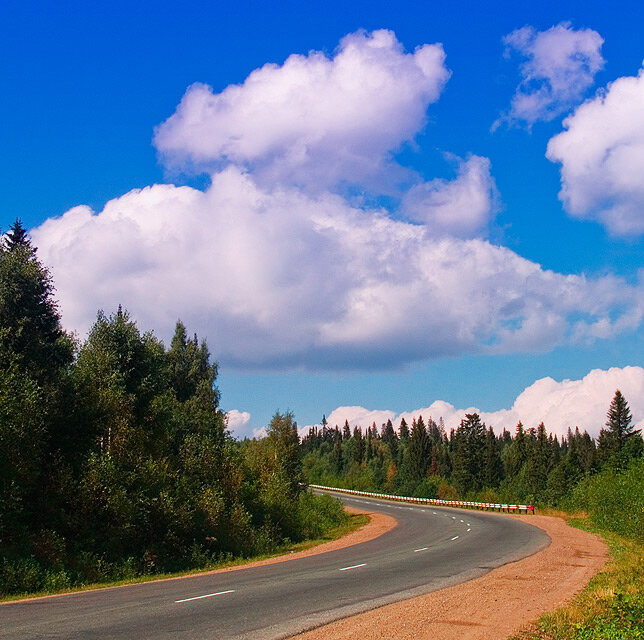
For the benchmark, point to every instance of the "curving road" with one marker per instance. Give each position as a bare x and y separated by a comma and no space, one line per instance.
431,548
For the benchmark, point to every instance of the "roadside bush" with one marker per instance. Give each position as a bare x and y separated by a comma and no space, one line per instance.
614,500
318,514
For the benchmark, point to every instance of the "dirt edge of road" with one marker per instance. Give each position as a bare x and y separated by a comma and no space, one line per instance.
378,524
491,607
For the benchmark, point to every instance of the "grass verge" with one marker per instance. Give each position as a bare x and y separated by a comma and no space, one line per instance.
611,607
354,522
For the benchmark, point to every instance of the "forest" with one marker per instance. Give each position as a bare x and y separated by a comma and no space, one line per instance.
115,459
470,462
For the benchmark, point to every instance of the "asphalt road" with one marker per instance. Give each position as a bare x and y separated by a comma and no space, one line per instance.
431,548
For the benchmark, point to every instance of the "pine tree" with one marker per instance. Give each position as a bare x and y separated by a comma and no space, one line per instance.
418,451
467,461
403,431
346,431
36,416
359,445
620,441
30,328
493,469
17,237
619,420
390,438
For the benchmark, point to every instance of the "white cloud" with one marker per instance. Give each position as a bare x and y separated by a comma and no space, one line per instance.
357,417
461,207
276,274
560,405
315,120
602,157
280,279
236,419
560,65
240,426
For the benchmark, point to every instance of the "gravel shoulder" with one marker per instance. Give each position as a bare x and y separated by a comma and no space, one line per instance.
491,607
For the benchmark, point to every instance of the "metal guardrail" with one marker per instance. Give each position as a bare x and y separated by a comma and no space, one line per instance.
443,503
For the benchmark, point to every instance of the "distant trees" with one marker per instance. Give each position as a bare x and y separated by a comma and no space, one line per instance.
472,461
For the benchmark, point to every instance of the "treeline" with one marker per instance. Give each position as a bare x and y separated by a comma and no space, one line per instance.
115,460
471,461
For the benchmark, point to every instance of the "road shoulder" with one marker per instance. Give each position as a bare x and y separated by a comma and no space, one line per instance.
491,607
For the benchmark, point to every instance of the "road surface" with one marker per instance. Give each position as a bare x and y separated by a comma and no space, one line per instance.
431,548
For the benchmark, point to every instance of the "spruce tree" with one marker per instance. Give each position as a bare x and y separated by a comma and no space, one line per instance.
403,432
467,461
493,469
17,236
29,321
418,452
620,440
390,438
619,420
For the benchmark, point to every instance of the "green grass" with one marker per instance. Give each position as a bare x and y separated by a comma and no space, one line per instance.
611,607
354,521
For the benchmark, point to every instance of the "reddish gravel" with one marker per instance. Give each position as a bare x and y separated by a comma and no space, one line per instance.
491,607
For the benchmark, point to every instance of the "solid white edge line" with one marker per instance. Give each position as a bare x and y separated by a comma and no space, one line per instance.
355,566
208,595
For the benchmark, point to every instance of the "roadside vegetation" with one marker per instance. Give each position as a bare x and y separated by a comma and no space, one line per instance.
612,605
115,460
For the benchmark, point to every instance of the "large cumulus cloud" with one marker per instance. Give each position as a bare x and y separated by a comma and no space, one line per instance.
601,153
279,269
281,279
315,120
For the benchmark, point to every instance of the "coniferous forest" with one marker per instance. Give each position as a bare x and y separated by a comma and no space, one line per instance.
472,461
115,460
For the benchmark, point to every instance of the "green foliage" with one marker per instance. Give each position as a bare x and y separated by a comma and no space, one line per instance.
467,462
614,500
612,605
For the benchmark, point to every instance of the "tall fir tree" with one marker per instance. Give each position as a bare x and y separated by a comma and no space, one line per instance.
17,236
418,452
467,461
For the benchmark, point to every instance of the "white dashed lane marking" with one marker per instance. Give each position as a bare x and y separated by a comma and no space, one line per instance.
208,595
455,538
355,566
423,549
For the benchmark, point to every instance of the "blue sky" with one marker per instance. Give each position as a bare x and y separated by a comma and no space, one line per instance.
85,86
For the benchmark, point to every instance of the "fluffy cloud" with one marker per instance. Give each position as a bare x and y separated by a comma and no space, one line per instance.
314,120
560,64
237,419
602,157
461,207
279,279
559,405
280,271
